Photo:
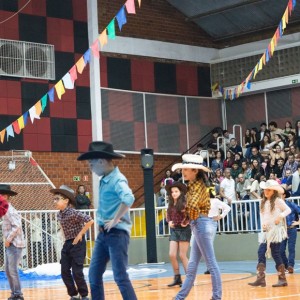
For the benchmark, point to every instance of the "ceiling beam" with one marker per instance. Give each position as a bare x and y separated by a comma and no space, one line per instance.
223,9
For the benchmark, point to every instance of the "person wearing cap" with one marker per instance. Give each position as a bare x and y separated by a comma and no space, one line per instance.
180,229
273,212
115,199
13,240
197,209
292,220
74,225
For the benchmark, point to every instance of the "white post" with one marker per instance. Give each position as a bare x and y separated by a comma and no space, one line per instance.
95,92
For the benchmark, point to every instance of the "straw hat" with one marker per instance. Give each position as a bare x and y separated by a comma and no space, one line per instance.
191,161
271,185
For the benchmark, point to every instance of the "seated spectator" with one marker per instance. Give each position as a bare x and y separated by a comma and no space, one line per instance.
291,141
227,136
246,170
216,179
275,154
247,138
217,162
278,169
243,186
291,165
255,140
274,130
256,168
273,177
262,131
293,150
237,158
297,131
284,179
227,163
265,144
212,144
293,183
235,170
288,129
256,155
266,166
235,147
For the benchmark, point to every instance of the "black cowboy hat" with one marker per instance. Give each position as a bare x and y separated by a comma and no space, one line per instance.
5,189
100,150
65,191
182,187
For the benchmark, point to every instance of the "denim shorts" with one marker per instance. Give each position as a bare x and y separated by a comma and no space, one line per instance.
181,234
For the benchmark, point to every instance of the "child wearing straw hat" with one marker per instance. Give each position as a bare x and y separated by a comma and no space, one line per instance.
197,209
273,211
13,240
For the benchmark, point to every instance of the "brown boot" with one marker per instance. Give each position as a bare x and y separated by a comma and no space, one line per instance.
261,276
177,281
281,277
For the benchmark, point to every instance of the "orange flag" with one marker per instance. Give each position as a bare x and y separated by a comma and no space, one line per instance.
16,127
264,59
80,65
286,13
38,108
60,89
103,38
2,135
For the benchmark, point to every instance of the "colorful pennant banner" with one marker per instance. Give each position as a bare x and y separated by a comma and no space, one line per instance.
68,80
235,92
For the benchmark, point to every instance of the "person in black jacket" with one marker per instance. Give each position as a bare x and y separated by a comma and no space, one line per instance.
82,201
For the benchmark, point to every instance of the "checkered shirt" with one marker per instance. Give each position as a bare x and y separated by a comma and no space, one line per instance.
72,221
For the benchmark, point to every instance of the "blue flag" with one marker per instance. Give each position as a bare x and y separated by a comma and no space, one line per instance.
87,56
51,95
121,17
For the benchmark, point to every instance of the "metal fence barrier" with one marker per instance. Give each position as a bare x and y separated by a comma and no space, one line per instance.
44,237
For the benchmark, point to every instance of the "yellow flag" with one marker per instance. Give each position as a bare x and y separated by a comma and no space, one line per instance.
260,64
256,70
21,122
60,89
80,65
283,22
103,38
38,108
272,46
140,3
2,135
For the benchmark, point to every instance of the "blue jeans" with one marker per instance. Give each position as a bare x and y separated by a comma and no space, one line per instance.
291,242
203,230
275,251
113,246
13,257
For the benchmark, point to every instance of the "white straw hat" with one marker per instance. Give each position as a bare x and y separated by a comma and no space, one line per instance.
191,161
271,185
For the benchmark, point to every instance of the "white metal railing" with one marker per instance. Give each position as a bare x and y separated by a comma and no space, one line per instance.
44,238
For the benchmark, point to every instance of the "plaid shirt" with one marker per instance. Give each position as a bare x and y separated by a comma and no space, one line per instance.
198,201
12,228
72,221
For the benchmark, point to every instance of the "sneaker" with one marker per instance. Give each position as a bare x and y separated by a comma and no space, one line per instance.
85,298
290,269
206,272
16,297
75,298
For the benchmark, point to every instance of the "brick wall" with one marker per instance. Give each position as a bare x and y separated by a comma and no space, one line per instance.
61,167
156,20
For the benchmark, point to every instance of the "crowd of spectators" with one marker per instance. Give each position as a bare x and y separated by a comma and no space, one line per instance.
237,169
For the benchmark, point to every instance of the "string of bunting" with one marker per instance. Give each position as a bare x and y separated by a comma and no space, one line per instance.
68,80
235,92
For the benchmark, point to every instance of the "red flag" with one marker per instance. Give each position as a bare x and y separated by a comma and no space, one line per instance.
16,127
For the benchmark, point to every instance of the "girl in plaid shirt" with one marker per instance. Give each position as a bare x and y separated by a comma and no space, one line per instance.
180,229
203,226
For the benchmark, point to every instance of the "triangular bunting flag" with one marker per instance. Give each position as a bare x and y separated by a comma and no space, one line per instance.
2,135
280,28
260,64
73,73
68,82
103,38
121,17
267,56
283,23
249,85
32,114
80,65
87,56
51,95
60,90
21,122
290,6
25,118
111,29
130,6
140,2
286,13
294,3
38,108
9,131
95,49
44,102
16,127
33,162
264,59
